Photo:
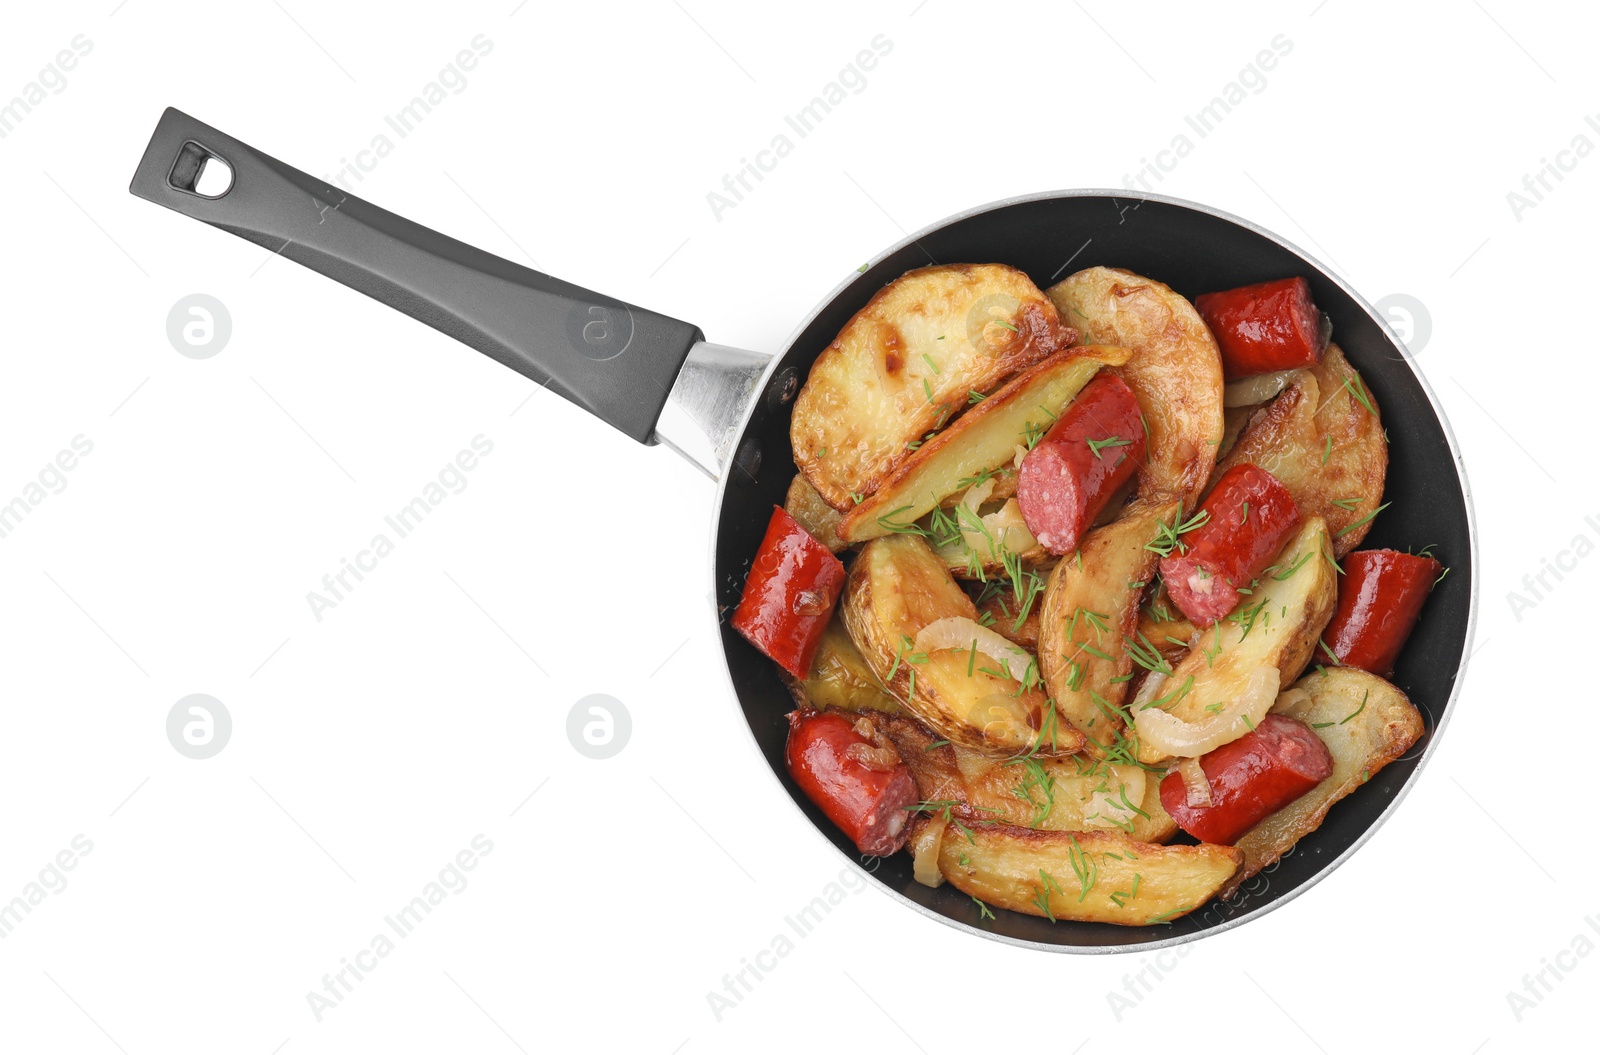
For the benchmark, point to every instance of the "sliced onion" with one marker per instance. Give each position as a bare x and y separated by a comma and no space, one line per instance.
1004,527
1022,452
1196,787
1248,391
878,759
959,632
975,497
1105,807
877,754
974,766
925,845
1291,701
1173,736
1149,689
1008,528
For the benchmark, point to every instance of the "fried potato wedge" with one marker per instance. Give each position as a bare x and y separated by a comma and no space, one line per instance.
903,365
1366,723
840,678
1090,610
1277,625
1096,877
983,439
812,513
1053,794
1323,439
1175,370
896,587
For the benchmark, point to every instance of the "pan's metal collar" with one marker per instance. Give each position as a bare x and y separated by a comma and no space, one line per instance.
707,404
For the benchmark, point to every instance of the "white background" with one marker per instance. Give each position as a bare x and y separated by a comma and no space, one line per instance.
372,746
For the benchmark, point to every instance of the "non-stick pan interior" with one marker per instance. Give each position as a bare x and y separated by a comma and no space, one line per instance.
1193,251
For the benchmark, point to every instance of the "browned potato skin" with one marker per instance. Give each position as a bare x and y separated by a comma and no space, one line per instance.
1175,370
1003,862
989,788
896,586
812,513
840,678
995,425
1289,436
1108,581
864,399
1362,740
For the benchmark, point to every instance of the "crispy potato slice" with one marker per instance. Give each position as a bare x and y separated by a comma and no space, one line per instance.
1096,877
1090,609
896,587
812,513
1278,625
1054,794
1175,370
983,439
840,678
1366,723
1323,439
903,365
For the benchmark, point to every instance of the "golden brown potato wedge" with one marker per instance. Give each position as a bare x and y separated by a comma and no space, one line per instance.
1278,625
1055,794
1366,723
840,678
903,365
896,587
983,439
1175,370
812,513
1096,877
1323,439
1089,611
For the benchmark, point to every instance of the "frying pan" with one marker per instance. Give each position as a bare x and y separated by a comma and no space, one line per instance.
727,410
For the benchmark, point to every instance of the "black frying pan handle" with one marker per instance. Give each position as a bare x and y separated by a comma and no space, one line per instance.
617,361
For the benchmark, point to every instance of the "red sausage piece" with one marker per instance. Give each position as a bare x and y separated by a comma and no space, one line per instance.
1250,515
1264,327
789,595
1066,479
1380,596
1255,775
855,775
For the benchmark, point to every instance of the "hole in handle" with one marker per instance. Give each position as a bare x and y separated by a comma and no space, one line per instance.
200,172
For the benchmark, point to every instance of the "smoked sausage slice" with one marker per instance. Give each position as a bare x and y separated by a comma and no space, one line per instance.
1069,475
855,775
1255,775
